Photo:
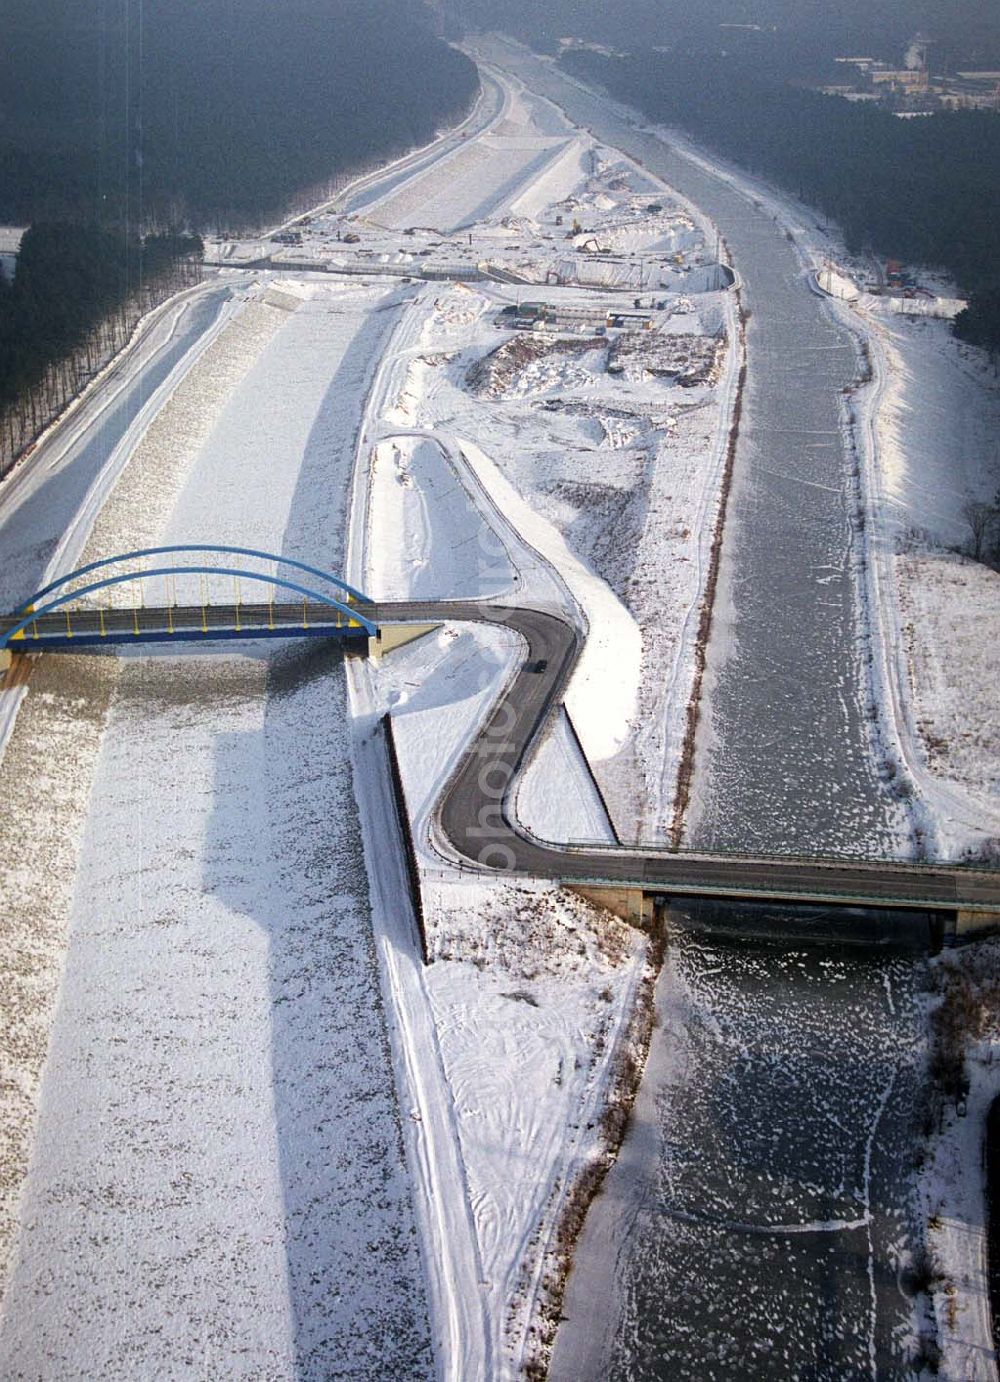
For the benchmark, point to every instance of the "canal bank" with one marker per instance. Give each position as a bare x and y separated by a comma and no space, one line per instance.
958,1175
992,1159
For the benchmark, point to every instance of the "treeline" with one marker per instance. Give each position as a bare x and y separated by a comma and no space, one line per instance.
926,191
145,113
979,324
121,118
793,38
77,296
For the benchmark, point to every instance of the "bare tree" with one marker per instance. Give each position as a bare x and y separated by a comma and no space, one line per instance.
981,520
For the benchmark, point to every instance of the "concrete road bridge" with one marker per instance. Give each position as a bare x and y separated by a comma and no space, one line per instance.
474,820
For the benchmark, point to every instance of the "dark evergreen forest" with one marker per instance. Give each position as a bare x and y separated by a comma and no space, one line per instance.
791,38
125,121
75,300
209,113
924,191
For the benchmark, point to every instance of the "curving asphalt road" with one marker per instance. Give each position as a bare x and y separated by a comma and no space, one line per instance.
474,815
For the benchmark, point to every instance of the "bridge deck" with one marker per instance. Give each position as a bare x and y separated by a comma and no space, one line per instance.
475,816
67,629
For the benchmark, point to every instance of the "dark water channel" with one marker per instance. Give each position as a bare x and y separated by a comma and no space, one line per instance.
786,761
758,1221
762,1211
992,1153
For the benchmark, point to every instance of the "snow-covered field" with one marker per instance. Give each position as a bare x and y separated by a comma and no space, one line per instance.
950,608
938,422
934,448
928,424
618,445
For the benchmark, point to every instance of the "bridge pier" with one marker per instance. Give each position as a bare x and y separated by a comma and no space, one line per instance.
630,904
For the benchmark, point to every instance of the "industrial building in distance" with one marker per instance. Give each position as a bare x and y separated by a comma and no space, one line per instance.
912,89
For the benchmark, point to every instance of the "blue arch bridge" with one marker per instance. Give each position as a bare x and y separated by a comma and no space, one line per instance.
190,593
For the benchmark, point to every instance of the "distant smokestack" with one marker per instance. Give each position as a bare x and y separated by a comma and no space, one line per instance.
916,54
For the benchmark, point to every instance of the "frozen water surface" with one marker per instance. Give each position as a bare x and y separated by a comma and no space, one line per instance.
763,1204
755,1222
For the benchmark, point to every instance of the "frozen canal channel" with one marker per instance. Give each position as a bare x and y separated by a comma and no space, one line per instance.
762,1215
758,1220
218,1183
786,762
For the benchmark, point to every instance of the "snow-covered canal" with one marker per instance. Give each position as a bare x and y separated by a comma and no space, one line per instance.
37,509
218,1182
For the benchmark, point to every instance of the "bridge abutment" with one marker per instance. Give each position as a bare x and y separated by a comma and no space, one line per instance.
630,904
970,923
392,636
